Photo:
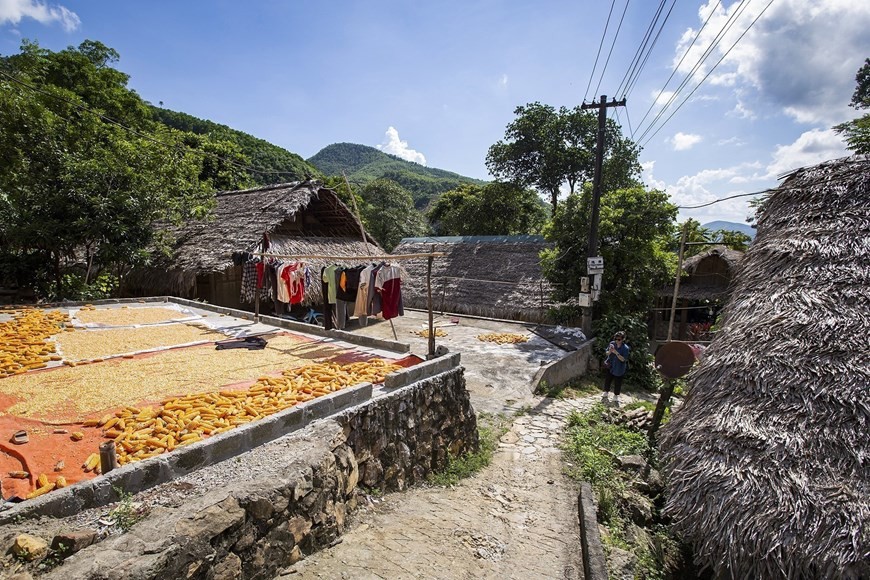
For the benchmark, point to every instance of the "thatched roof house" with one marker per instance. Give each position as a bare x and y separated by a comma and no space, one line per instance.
768,460
703,290
492,276
301,218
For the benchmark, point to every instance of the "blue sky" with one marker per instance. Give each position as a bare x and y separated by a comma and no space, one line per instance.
437,82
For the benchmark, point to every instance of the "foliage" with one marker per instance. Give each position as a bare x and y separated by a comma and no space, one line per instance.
344,191
635,227
493,209
857,131
585,385
273,164
548,148
75,187
126,513
732,239
363,164
490,428
700,239
640,367
389,213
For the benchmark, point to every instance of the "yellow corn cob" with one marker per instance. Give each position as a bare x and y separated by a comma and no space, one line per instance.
42,480
19,474
40,491
91,462
77,436
60,482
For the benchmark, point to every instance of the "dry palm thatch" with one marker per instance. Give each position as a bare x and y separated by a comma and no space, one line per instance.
492,276
769,458
707,275
309,218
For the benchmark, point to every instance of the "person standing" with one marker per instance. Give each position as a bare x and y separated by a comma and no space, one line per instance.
615,366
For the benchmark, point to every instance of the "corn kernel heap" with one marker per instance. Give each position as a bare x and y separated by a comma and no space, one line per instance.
143,433
23,340
503,338
425,333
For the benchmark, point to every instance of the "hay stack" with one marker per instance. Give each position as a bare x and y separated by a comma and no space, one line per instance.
769,460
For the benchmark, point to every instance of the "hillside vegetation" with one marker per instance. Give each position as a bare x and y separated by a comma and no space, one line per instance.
363,164
275,164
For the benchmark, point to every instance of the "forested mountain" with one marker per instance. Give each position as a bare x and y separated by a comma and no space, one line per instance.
275,164
363,164
732,226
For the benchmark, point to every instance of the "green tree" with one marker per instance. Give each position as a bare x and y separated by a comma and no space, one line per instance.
697,238
636,229
857,131
547,149
74,186
389,213
732,239
494,209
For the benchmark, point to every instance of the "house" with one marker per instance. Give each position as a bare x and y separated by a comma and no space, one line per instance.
490,276
302,218
768,459
702,293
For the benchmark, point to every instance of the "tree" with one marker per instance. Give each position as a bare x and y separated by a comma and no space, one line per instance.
548,149
732,239
389,213
636,228
493,209
76,186
695,234
857,131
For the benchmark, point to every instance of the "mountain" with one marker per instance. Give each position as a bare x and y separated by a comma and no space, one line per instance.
276,164
732,226
363,164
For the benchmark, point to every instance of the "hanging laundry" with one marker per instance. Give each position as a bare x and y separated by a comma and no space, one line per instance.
388,283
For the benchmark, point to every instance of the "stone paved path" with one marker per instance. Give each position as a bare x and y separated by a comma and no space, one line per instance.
515,519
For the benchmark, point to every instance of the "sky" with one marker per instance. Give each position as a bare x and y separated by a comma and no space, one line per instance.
437,82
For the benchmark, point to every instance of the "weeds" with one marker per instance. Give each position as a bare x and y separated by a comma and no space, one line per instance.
490,428
126,514
571,390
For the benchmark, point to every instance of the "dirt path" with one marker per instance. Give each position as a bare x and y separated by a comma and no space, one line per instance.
515,519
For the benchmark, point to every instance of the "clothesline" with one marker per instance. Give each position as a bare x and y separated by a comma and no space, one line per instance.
339,258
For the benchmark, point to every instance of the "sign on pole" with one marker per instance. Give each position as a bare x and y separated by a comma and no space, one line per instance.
595,265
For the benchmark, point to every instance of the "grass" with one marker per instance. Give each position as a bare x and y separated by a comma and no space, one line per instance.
490,428
576,388
126,514
592,444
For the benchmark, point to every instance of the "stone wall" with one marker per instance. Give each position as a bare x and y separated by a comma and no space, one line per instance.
254,527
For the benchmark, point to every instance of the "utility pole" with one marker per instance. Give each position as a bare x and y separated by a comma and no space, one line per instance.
602,107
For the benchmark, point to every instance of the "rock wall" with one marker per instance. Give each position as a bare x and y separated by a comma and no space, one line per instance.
253,528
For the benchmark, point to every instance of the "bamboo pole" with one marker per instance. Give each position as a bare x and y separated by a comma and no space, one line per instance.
677,282
429,305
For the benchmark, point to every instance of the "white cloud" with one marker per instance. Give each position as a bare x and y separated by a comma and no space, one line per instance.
810,148
395,146
661,99
800,57
685,141
13,11
503,81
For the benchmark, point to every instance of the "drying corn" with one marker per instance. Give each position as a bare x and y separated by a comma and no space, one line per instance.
128,316
142,433
503,338
24,341
425,333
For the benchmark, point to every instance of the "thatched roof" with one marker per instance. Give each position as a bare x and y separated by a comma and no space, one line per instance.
768,460
706,275
493,276
302,218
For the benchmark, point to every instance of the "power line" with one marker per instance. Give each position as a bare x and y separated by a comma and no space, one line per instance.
145,136
704,56
723,199
600,44
637,53
748,28
676,68
606,62
631,83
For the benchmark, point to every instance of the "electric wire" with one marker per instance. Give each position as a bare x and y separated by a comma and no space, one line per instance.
726,27
136,132
600,44
615,37
640,48
748,28
676,68
630,85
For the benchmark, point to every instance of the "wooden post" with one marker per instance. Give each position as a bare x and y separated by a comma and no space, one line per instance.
256,303
443,293
429,305
108,458
659,412
677,282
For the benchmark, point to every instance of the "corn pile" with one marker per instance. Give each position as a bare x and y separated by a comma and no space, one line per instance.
503,338
142,433
425,332
23,340
89,345
44,486
124,316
